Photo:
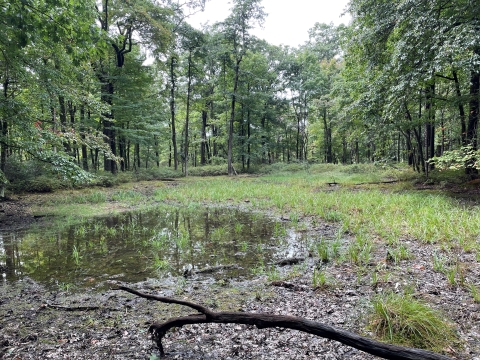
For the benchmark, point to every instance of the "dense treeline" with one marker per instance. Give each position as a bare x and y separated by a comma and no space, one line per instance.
400,83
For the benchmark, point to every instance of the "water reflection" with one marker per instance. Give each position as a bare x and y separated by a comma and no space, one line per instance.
137,245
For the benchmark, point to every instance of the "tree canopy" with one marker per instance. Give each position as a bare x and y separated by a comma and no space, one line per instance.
122,85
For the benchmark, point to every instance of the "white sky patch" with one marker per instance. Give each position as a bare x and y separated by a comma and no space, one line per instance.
287,22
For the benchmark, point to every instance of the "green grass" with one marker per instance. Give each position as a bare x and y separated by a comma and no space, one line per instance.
127,195
320,279
387,212
404,320
390,212
401,252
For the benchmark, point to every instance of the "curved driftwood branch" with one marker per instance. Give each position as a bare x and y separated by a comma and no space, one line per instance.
262,321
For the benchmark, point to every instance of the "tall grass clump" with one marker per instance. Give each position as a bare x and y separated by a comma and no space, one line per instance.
93,197
127,195
402,319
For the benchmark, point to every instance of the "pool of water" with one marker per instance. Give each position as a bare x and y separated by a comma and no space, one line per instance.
138,245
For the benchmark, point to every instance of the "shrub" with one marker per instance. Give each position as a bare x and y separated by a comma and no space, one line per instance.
107,180
32,176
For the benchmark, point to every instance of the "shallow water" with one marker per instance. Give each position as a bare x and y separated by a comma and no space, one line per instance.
138,245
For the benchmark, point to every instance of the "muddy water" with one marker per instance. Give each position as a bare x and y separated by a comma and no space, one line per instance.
152,244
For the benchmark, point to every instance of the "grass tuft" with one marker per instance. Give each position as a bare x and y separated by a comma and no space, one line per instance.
404,320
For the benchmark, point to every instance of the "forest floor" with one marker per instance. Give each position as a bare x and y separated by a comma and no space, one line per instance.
39,323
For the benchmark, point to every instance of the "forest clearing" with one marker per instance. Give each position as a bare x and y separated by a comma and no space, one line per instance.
330,187
361,238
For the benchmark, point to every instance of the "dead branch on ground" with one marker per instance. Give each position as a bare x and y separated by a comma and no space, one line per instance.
262,321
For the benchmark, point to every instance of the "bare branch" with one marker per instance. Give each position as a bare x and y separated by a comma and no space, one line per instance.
262,321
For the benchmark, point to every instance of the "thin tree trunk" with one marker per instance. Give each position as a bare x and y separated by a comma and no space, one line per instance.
187,116
84,146
429,126
203,143
473,117
172,111
3,139
232,119
461,109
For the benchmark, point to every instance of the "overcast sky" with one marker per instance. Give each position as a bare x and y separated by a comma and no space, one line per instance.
287,22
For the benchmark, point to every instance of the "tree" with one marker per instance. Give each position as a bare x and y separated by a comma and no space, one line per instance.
40,55
410,50
245,14
121,23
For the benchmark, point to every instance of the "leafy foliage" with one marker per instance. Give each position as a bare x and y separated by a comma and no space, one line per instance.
464,157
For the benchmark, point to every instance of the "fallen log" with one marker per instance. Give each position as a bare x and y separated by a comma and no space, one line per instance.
262,321
378,182
290,261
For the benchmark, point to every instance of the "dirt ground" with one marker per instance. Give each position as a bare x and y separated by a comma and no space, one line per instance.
38,323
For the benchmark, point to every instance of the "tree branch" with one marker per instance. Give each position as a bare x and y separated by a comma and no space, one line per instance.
261,321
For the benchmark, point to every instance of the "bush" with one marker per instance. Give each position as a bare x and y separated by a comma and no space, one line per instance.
106,180
32,176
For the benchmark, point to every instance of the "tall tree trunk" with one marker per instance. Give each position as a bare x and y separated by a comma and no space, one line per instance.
327,138
127,159
232,119
82,135
137,155
157,154
122,151
187,116
71,112
249,150
107,121
408,140
203,143
63,122
429,125
172,111
4,139
461,109
473,116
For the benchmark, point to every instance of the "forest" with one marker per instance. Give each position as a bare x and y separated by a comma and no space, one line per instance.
319,201
119,86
